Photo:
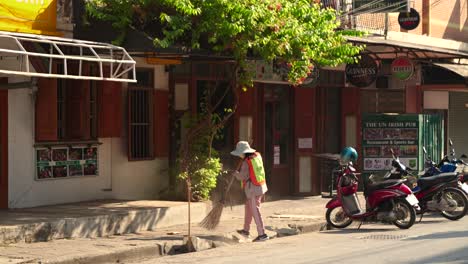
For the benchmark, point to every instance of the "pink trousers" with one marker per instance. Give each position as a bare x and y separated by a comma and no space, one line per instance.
252,210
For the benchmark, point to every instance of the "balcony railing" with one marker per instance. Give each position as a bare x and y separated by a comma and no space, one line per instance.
369,16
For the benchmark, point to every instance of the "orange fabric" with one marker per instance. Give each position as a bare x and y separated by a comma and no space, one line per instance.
252,175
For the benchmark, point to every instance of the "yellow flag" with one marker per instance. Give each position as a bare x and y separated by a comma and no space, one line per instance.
29,16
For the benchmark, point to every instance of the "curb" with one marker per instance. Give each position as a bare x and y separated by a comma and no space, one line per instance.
317,227
153,251
112,257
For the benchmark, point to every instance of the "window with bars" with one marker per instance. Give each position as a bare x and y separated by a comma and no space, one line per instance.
140,117
76,109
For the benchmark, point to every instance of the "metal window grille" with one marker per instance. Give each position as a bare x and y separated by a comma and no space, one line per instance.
93,119
140,123
140,116
61,108
63,115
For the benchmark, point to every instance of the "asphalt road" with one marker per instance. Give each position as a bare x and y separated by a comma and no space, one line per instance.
434,240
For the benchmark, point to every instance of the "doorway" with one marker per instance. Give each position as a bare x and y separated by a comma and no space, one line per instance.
278,154
3,149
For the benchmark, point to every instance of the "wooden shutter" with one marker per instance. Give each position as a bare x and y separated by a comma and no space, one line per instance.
3,146
78,123
110,109
78,106
46,110
161,123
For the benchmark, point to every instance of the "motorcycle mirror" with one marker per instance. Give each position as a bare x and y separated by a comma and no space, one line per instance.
450,142
424,149
463,156
393,153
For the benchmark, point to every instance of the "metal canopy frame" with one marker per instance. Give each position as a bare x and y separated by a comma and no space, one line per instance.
389,49
56,57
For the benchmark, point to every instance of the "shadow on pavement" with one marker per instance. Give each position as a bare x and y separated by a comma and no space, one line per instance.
354,231
441,235
455,256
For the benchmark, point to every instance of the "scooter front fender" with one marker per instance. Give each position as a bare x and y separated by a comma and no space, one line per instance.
333,203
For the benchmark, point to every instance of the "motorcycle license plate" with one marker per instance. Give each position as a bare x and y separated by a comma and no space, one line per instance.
464,187
412,199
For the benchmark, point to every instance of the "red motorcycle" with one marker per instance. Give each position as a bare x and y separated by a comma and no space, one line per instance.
387,201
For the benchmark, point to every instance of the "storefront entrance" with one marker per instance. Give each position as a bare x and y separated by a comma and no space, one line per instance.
457,125
278,154
3,148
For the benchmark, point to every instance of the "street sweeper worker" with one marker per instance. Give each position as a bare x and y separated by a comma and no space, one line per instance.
252,176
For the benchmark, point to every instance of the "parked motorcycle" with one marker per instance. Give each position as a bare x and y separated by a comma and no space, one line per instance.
451,164
438,193
386,201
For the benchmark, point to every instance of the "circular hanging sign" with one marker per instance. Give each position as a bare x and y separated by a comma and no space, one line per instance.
402,68
363,73
409,20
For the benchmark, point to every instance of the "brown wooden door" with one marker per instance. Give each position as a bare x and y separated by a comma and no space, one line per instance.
3,148
278,154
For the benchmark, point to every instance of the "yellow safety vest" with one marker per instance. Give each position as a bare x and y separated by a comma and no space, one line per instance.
256,170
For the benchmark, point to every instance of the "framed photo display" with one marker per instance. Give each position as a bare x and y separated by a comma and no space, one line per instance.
66,162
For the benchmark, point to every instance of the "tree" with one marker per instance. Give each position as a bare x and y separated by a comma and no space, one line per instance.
298,32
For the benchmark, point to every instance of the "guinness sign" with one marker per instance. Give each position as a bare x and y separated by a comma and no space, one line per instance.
363,73
409,21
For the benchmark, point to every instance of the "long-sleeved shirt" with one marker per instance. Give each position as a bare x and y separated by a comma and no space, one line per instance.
250,189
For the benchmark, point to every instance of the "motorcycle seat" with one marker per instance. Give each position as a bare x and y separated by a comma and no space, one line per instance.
428,182
383,185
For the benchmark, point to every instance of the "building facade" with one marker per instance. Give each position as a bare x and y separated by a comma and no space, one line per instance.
75,125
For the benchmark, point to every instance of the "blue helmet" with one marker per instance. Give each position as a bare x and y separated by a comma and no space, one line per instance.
348,154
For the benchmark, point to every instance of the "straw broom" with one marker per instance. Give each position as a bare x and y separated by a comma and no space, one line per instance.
211,221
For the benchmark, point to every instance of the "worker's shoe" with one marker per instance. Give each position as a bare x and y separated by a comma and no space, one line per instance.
263,237
243,232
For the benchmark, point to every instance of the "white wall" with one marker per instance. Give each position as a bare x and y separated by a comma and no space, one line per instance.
24,189
118,178
138,179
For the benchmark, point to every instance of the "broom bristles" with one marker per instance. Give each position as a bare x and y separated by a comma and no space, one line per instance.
211,221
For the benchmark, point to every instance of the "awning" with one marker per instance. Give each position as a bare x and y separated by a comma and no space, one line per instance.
460,69
389,49
56,57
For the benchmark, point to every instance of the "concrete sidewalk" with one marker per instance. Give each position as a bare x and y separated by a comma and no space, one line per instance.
111,231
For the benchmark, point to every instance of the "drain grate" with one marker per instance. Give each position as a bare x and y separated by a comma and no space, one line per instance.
384,237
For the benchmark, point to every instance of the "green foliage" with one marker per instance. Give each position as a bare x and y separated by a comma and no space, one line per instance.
297,32
204,164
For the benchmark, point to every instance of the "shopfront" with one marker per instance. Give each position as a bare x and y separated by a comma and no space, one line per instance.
57,108
405,79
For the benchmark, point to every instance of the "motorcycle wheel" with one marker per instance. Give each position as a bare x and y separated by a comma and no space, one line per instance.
405,214
337,218
459,197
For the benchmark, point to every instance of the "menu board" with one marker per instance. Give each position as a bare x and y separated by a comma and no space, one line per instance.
61,162
382,133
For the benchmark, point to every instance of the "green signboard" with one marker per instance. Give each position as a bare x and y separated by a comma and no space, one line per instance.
382,6
383,133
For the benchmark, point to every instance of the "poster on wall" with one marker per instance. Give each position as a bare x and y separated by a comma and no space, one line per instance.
276,155
63,162
382,133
